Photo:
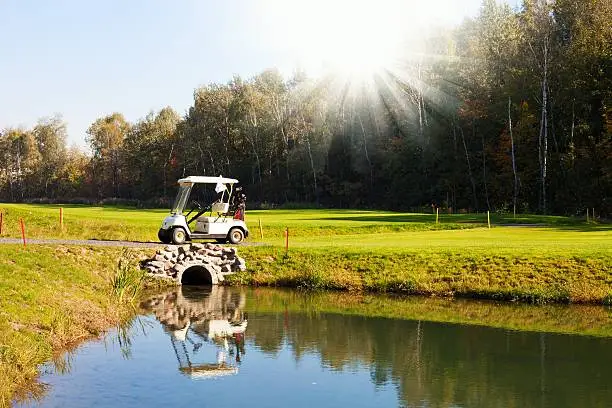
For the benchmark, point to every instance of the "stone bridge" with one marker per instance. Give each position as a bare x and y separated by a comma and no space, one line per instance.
194,264
179,307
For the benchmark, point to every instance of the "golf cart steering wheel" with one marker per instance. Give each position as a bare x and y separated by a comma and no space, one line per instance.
201,210
194,204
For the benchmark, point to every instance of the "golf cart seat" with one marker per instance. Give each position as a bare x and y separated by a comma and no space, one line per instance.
220,208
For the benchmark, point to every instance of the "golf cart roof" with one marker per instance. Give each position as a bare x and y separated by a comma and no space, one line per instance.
207,180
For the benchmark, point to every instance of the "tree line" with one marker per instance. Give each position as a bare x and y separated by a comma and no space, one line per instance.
510,111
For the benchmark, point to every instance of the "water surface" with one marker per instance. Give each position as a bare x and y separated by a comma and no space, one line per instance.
226,347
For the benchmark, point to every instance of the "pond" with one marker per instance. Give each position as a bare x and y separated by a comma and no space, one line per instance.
228,347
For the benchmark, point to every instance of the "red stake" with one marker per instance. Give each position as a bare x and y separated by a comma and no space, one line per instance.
286,240
23,231
1,221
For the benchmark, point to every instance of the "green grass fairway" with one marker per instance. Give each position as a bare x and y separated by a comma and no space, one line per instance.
316,228
82,222
502,240
532,258
349,231
85,222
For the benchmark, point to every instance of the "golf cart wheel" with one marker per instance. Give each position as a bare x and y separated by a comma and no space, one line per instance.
236,236
179,236
163,236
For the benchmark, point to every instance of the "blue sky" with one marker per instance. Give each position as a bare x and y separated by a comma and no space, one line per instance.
86,59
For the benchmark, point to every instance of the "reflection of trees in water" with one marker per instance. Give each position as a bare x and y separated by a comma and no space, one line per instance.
446,364
438,364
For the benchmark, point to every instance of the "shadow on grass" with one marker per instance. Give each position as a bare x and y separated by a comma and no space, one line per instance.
414,218
555,222
99,206
583,228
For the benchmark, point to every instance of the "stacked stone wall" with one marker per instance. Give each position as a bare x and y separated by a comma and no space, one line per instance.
174,260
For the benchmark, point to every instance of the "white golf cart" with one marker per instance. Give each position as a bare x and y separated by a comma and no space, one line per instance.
223,224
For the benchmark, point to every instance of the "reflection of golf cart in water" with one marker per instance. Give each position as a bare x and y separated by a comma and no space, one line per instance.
206,326
224,223
216,332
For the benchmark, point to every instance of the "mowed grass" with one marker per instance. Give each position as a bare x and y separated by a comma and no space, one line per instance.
315,227
535,259
115,223
82,222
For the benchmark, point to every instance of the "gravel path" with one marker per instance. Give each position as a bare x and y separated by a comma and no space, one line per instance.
95,242
90,242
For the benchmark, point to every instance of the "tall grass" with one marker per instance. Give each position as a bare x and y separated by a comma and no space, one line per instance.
20,355
128,280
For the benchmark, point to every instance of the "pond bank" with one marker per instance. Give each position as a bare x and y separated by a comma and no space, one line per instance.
532,278
51,300
36,324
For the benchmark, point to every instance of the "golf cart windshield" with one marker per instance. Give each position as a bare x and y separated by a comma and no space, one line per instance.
181,199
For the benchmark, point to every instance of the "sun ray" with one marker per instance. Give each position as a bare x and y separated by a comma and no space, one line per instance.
372,54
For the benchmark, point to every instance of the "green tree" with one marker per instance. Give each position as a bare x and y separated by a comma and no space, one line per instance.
106,137
20,160
50,135
149,153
